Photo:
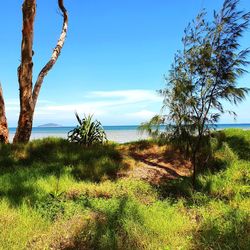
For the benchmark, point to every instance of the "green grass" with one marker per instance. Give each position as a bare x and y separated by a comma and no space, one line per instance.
56,195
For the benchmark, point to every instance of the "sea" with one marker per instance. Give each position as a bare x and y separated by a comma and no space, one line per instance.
120,134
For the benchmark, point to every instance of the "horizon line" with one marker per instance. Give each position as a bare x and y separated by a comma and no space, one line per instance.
131,125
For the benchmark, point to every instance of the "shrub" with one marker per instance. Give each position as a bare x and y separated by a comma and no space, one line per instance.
88,132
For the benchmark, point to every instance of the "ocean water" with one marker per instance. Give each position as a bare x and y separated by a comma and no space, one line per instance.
118,134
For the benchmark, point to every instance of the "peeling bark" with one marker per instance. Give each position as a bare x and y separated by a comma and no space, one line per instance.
25,72
28,95
4,132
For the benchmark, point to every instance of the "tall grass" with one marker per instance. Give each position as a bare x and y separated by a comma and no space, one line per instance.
55,195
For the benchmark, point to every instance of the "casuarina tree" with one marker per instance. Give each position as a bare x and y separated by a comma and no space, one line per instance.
203,77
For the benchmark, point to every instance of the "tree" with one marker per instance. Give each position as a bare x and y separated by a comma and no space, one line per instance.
28,93
4,133
204,74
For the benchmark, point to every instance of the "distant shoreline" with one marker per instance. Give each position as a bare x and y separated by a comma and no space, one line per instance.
119,134
117,127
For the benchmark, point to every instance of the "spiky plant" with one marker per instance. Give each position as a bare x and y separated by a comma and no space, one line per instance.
88,132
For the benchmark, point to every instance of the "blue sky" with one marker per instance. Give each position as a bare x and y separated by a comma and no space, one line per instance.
114,58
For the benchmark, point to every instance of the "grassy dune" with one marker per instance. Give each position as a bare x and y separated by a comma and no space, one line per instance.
56,195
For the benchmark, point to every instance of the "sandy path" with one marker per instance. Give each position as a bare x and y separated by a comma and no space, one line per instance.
154,163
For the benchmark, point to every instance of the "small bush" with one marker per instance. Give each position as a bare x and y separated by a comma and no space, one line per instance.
88,132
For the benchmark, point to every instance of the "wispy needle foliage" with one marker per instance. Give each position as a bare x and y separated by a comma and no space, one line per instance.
204,74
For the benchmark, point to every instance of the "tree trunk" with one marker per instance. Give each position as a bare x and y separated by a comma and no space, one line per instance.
4,132
25,71
196,151
28,95
194,161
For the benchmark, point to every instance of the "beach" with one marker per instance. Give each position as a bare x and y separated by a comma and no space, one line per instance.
119,134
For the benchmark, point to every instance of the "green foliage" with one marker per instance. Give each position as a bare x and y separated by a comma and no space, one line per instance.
238,140
44,204
226,228
88,132
205,73
153,127
203,76
125,223
51,207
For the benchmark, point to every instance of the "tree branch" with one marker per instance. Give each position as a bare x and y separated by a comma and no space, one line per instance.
55,53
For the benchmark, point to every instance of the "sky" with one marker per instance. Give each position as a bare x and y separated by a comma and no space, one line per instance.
114,59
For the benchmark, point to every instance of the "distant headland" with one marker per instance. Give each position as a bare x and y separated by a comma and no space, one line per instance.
49,125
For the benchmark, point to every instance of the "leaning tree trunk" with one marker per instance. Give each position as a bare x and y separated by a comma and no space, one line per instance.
28,95
4,132
25,71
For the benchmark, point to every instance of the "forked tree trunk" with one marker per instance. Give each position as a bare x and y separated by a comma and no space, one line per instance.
28,95
4,132
25,73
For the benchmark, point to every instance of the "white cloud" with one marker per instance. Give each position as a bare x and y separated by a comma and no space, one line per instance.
142,114
136,95
104,100
10,102
110,107
125,106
